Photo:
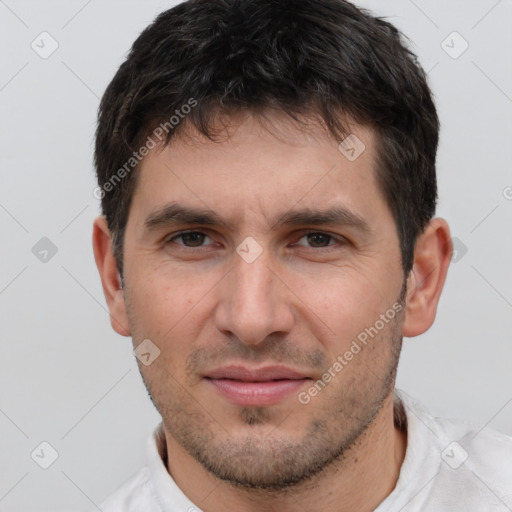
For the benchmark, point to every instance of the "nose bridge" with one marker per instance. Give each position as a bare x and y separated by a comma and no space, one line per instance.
253,303
253,281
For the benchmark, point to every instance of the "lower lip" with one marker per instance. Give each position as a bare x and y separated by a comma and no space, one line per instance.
257,393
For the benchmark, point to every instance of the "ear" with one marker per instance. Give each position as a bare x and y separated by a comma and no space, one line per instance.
110,279
432,255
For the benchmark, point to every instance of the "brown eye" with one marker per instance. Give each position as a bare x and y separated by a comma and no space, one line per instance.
190,238
320,242
319,239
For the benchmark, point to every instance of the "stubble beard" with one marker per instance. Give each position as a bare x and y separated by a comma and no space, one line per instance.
271,463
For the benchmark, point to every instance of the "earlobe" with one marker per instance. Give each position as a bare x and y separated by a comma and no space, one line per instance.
110,278
426,280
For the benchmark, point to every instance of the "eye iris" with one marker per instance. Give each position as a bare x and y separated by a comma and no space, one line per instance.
193,239
317,238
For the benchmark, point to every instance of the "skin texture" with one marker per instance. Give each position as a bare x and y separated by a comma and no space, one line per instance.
300,303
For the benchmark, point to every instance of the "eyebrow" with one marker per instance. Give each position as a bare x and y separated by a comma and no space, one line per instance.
175,213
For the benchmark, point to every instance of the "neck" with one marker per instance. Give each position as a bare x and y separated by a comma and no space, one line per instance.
358,482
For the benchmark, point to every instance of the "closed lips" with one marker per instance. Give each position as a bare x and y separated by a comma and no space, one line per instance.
269,373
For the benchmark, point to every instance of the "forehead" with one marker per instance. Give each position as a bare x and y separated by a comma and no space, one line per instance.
264,167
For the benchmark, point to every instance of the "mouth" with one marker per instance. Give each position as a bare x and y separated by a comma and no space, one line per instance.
256,387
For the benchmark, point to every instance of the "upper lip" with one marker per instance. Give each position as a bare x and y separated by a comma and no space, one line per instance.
264,374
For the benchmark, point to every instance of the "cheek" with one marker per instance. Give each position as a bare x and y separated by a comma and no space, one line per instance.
169,312
163,296
344,306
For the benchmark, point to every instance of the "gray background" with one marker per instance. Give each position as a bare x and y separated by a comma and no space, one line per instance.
66,378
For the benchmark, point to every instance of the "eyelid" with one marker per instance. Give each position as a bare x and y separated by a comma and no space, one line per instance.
170,237
337,239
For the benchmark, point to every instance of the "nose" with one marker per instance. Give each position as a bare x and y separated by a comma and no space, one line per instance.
255,302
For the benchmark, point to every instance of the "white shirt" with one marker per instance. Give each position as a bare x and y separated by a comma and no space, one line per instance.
449,466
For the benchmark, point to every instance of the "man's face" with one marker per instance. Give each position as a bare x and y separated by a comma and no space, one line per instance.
242,339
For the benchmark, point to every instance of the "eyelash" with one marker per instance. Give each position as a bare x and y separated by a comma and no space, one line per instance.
339,240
